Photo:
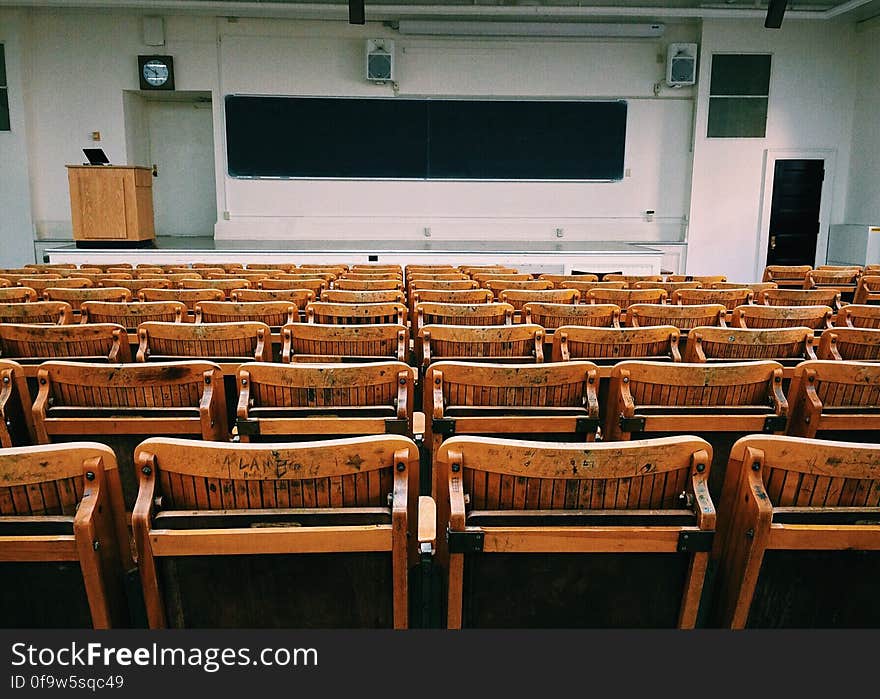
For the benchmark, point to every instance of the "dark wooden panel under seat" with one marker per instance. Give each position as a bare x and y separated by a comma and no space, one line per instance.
817,589
43,595
40,525
854,435
542,590
351,590
281,517
722,443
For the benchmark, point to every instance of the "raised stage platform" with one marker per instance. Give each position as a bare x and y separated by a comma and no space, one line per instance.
551,257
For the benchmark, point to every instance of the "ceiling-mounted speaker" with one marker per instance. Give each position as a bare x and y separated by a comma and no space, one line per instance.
380,60
681,65
775,13
154,31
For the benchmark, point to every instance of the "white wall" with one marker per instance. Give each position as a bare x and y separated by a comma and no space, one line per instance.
812,91
327,59
16,226
863,202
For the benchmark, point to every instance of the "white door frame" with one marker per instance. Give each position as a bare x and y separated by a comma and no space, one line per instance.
771,155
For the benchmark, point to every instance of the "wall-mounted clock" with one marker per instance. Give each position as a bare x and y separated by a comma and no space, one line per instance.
156,72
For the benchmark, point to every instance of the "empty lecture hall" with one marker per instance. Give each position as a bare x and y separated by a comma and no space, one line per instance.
439,314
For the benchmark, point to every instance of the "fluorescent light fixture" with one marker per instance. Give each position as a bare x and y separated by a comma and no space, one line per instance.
488,28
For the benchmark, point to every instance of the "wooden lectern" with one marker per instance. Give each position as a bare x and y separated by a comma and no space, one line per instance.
111,205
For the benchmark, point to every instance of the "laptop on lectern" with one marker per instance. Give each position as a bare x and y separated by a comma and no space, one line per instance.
96,156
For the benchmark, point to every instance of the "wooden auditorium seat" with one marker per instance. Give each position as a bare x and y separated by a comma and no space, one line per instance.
752,316
76,297
40,285
16,421
788,346
188,297
316,534
801,297
850,344
136,285
720,403
518,298
606,346
840,399
224,285
483,277
463,314
859,316
868,289
17,294
297,401
327,313
729,298
559,279
756,287
63,538
368,284
669,287
844,281
224,343
130,315
312,342
554,315
342,296
30,345
585,287
799,534
631,279
122,405
501,343
575,535
625,297
786,276
37,312
298,297
498,286
684,318
272,313
705,280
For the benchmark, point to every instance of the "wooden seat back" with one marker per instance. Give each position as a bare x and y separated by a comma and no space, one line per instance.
76,297
368,284
801,297
174,277
559,279
609,345
518,298
756,287
441,284
327,313
499,286
868,289
705,280
37,312
298,297
553,315
457,296
15,278
33,344
859,316
729,298
65,543
838,397
270,266
114,404
272,313
669,287
510,343
564,501
799,535
815,317
130,315
850,344
16,423
321,401
17,294
785,345
585,287
642,315
136,285
224,266
791,276
225,285
463,314
315,285
312,342
342,296
222,342
483,277
269,509
843,280
625,297
40,285
188,297
631,279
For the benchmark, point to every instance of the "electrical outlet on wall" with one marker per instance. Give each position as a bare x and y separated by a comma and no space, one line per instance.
560,232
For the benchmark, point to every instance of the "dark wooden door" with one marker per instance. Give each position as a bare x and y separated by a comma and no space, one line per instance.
794,212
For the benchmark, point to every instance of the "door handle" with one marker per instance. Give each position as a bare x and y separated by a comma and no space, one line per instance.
155,170
772,242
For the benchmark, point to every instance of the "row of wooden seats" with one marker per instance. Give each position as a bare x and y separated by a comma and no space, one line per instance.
236,342
862,283
330,534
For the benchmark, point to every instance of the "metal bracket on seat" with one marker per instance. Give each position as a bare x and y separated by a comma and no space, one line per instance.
397,425
632,424
587,424
247,427
775,423
443,425
695,541
465,542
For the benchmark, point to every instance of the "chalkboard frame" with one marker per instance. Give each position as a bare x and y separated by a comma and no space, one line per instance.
619,164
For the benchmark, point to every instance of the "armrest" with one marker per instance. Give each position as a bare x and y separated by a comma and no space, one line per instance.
427,523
